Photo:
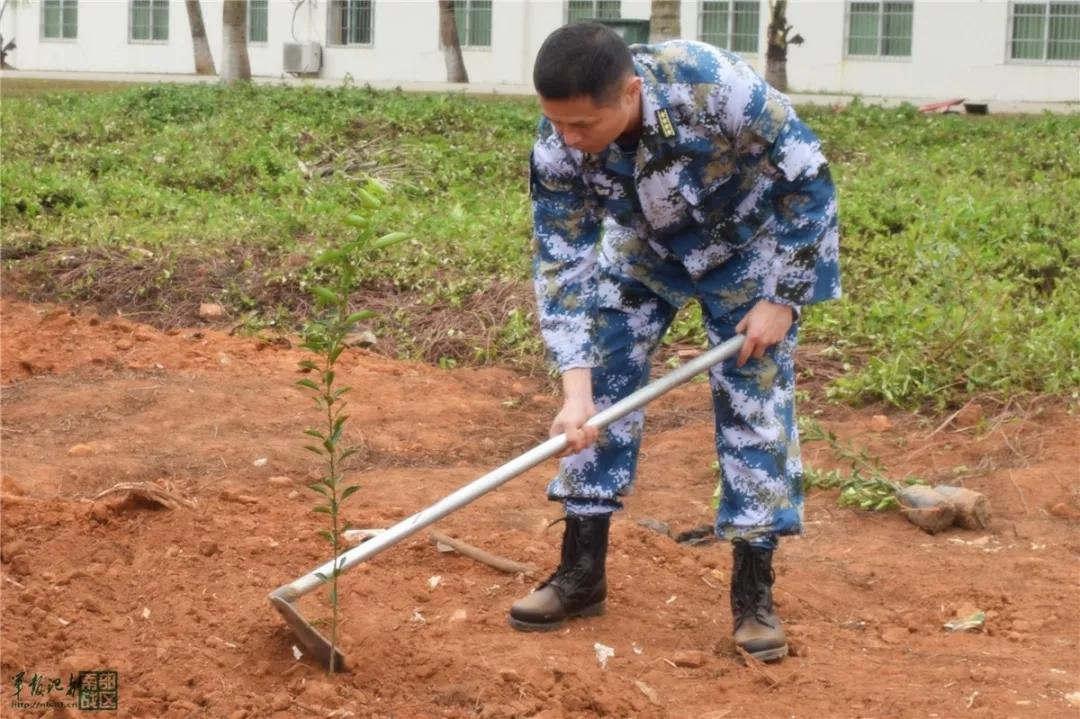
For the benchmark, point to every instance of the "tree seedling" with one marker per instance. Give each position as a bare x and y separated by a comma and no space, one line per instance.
326,337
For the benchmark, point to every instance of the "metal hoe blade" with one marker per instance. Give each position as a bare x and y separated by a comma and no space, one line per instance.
284,598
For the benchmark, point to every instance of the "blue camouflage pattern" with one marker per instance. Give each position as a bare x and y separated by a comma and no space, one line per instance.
727,199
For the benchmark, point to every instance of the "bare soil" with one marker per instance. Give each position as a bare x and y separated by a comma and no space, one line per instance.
174,600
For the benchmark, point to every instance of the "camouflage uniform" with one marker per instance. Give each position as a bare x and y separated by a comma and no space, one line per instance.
726,199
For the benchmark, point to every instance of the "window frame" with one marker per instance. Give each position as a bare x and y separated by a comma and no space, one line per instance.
1010,25
730,29
332,42
878,56
595,14
465,31
258,43
151,40
46,38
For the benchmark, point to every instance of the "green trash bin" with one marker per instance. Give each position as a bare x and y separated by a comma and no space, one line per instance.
633,31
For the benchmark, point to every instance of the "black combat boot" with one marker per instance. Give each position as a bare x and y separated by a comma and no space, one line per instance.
757,628
577,588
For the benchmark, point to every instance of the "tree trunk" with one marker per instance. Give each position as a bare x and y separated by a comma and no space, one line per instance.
664,21
448,35
204,60
776,55
235,66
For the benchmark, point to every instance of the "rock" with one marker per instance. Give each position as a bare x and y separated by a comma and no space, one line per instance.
798,649
648,691
80,450
880,423
227,495
655,525
211,311
9,486
895,635
509,676
208,548
99,512
969,415
11,549
293,494
1064,511
281,481
1073,698
143,336
366,338
983,674
321,693
279,702
124,344
691,659
459,616
20,565
173,550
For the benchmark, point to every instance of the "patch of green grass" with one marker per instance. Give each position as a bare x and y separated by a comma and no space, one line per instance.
960,250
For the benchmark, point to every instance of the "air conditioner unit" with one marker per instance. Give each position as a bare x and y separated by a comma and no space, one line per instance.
302,58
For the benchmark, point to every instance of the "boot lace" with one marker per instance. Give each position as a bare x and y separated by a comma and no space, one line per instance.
750,590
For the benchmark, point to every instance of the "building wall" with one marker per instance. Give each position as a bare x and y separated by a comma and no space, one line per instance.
959,46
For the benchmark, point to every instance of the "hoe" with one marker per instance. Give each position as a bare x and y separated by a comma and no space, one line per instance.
284,598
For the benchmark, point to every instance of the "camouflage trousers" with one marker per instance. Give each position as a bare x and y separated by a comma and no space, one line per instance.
761,483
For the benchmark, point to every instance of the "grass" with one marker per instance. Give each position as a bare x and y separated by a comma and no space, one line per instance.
960,251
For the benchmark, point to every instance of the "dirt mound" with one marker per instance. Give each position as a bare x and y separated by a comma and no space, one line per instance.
174,600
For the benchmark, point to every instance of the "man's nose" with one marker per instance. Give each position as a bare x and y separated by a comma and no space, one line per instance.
571,137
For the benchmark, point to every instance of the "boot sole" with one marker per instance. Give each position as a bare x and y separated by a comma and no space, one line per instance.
594,610
770,655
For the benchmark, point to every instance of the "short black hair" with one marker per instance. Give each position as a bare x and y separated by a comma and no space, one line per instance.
582,59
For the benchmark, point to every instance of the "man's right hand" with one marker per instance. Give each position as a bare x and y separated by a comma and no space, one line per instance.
576,410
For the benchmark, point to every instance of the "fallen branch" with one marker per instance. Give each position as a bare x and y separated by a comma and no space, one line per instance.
467,550
757,666
149,491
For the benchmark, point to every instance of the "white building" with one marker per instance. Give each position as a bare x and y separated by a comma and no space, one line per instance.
992,50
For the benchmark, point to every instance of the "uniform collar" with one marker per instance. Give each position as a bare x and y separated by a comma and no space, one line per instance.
657,120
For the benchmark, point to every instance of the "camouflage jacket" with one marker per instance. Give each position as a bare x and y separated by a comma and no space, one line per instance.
723,167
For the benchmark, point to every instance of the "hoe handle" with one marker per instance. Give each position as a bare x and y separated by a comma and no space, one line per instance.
483,485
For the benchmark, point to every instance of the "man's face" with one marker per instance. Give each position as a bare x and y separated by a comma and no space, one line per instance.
586,126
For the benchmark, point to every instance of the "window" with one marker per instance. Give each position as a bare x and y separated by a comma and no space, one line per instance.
60,19
150,20
473,18
350,22
578,10
258,20
880,28
1045,31
731,25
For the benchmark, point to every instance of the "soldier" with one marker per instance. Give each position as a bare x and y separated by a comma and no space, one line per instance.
661,174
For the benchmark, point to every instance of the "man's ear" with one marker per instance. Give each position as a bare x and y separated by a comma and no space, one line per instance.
633,88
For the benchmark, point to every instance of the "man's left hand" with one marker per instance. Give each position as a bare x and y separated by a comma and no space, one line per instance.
764,325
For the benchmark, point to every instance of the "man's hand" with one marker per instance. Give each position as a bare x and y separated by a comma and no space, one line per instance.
764,325
576,410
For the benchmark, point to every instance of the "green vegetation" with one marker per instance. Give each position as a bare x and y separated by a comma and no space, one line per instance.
960,252
327,336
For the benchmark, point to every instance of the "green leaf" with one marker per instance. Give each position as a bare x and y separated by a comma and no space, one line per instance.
391,239
312,448
322,576
320,488
350,491
308,365
336,353
321,509
328,257
356,220
314,433
309,384
325,295
368,200
348,453
360,316
327,535
328,377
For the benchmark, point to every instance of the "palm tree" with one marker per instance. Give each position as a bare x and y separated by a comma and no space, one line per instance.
448,35
235,66
204,60
779,39
664,20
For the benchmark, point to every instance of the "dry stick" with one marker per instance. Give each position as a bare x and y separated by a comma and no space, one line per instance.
1020,492
757,666
467,550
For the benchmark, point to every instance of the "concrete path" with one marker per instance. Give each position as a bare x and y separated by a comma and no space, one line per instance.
514,90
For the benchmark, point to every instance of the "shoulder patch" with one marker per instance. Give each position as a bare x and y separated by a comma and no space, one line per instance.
663,121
